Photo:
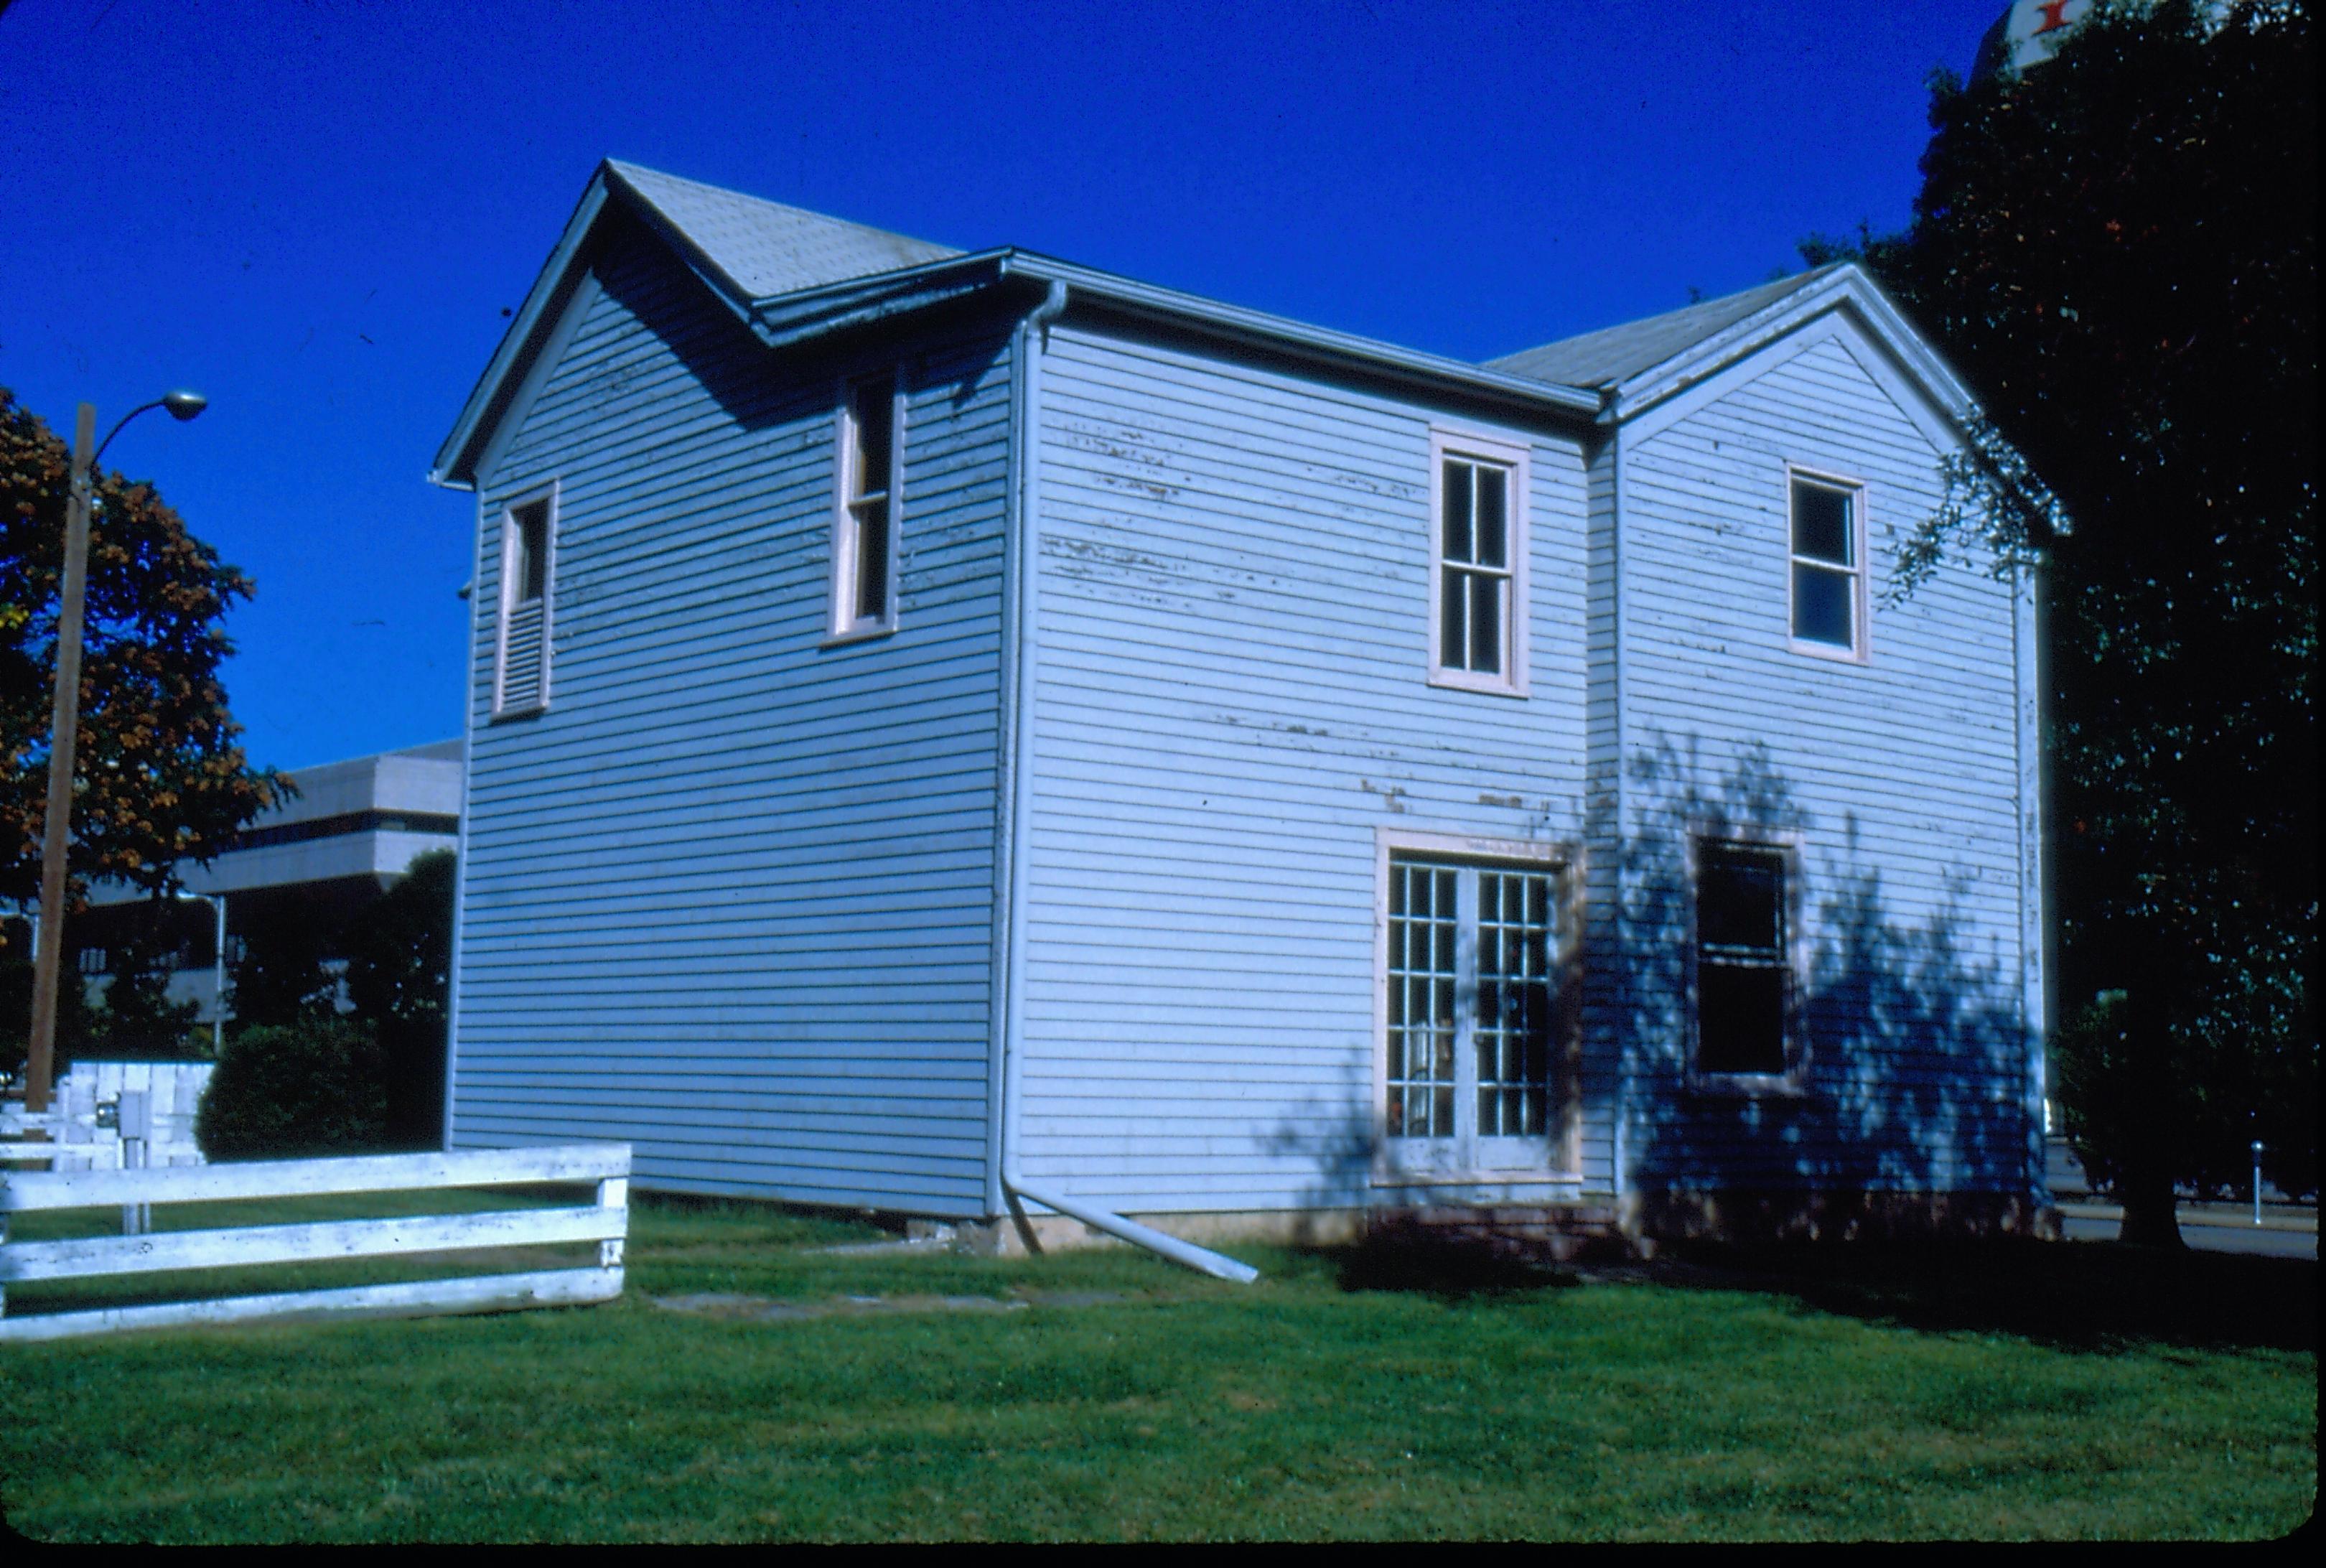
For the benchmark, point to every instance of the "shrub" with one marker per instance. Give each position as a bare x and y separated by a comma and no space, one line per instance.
296,1091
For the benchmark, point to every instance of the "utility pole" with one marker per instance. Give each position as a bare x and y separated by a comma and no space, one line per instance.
64,732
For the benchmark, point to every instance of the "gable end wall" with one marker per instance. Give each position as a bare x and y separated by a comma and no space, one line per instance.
729,898
1900,782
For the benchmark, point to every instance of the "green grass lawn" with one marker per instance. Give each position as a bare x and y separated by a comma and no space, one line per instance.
2037,1392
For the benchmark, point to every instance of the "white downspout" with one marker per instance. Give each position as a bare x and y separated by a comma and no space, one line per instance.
1025,421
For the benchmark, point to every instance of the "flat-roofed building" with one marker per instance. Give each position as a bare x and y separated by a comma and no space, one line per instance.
317,859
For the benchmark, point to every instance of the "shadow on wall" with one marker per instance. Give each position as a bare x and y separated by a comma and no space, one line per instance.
1911,1059
755,387
1909,1055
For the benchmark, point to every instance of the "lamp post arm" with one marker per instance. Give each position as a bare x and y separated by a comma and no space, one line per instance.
87,473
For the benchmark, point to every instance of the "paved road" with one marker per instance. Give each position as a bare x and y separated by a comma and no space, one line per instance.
2209,1232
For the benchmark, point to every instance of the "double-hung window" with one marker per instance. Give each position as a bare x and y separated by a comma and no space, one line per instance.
1744,989
864,519
1470,1014
1478,529
1829,600
521,638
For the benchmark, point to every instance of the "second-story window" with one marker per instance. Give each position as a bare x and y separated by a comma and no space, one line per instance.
1828,567
864,526
521,662
1478,609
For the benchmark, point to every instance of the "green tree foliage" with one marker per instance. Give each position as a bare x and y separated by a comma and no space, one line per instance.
77,1024
280,978
296,1091
399,980
136,1019
161,780
2118,250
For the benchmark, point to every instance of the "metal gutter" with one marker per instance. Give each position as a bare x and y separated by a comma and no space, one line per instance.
1619,1154
1022,549
781,320
1259,328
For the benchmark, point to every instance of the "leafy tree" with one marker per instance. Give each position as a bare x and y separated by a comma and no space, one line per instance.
77,1023
136,1019
2118,251
281,977
161,780
399,980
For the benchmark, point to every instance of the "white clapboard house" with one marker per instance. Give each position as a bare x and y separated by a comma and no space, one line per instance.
949,722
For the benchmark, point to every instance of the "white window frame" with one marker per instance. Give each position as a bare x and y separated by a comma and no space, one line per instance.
848,492
1792,1082
1562,1161
1448,443
1861,598
507,704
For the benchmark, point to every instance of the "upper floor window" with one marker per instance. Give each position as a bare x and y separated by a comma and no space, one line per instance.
521,645
1829,566
1478,604
864,525
1744,961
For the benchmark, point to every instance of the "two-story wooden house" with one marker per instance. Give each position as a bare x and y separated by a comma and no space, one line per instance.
952,724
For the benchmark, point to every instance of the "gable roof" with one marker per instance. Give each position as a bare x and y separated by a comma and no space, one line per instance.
1616,354
760,250
1640,364
789,274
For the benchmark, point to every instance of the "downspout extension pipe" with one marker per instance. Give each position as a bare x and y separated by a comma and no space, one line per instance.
1030,333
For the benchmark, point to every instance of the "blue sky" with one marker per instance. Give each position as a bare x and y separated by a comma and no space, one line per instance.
317,214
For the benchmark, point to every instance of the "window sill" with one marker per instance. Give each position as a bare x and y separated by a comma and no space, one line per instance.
1829,651
860,634
1462,681
1746,1086
1525,1176
503,715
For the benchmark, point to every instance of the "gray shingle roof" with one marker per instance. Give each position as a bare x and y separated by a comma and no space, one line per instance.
1614,355
766,248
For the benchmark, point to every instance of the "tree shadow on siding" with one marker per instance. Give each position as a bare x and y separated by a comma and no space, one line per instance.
1910,1069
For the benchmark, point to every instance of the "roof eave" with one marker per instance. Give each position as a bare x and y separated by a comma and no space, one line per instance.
1323,343
779,319
452,468
785,319
1848,288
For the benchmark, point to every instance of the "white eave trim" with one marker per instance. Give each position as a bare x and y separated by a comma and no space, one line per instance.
1278,332
455,465
522,343
1847,288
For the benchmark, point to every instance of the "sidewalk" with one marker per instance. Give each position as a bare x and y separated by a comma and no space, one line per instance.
2213,1216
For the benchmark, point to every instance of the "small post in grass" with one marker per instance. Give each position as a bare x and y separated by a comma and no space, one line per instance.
2257,1154
133,1113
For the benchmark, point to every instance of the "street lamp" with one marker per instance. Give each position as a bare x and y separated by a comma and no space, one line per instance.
64,729
218,967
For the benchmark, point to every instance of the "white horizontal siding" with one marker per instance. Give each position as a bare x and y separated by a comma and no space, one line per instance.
730,899
1231,694
1900,776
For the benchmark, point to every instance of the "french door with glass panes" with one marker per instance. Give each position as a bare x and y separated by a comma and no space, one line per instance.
1471,1015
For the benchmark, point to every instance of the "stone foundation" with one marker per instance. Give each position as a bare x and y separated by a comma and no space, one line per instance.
1635,1224
1760,1217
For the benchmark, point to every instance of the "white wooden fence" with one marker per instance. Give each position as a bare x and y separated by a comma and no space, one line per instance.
155,1127
604,1222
